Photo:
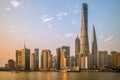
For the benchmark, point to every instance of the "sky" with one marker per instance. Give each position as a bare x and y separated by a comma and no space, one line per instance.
49,24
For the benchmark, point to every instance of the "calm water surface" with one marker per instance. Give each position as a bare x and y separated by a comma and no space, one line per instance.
59,76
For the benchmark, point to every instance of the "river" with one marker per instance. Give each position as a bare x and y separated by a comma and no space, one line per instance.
59,76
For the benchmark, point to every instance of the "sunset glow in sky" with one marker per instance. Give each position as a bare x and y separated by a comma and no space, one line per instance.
49,24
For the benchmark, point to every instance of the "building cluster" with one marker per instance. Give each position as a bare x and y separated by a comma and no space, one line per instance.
85,58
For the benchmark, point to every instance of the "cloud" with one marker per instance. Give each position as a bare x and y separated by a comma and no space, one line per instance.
76,9
68,35
15,3
109,38
61,15
7,8
46,18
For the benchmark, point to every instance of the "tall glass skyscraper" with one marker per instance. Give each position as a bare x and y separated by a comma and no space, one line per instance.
36,59
84,44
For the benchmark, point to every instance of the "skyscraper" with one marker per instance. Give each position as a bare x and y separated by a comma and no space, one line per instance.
77,47
46,59
63,55
36,59
58,58
84,44
93,49
23,59
66,51
26,60
32,61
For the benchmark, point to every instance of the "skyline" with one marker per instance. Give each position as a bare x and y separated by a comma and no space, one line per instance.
37,23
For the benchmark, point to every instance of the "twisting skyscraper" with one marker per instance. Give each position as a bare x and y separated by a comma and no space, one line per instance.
84,45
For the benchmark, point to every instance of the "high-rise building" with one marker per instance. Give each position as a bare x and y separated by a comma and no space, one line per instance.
46,59
11,64
77,47
26,53
84,44
103,57
77,51
23,59
63,55
115,59
93,49
20,60
58,58
36,59
32,61
63,58
66,51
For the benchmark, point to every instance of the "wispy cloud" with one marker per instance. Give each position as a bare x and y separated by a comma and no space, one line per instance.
46,18
61,15
15,3
76,9
109,38
8,9
68,35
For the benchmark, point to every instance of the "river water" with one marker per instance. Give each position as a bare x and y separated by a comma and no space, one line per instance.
59,76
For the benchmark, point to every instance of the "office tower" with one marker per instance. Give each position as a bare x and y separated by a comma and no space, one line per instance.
77,47
63,55
46,59
103,55
26,53
58,58
72,63
109,60
63,58
77,51
36,59
115,59
23,59
84,45
11,64
32,61
93,49
66,51
20,60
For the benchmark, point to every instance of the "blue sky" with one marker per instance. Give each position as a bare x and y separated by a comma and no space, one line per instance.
49,24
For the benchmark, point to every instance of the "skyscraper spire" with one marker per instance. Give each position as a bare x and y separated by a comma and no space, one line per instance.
93,45
24,45
93,49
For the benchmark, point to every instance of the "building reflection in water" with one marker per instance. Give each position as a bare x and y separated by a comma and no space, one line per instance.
64,76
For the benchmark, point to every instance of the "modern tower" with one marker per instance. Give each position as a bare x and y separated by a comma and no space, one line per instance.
45,59
36,59
23,59
84,45
77,47
94,49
